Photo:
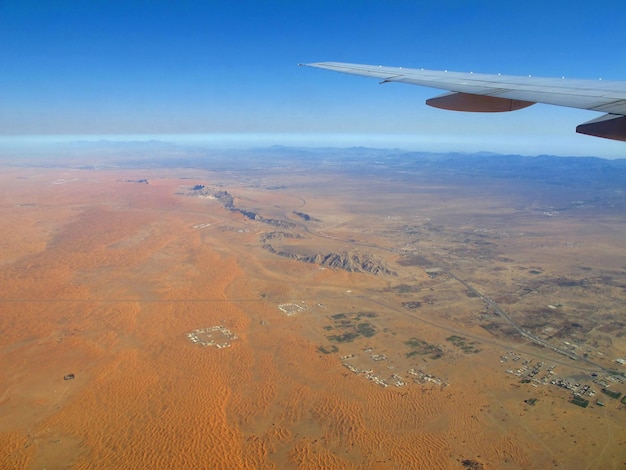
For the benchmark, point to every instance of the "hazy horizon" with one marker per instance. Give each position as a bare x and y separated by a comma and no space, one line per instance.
230,68
243,141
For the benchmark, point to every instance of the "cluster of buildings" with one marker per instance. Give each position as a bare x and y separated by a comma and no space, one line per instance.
369,373
576,388
204,336
510,356
423,377
538,374
395,379
529,371
291,309
399,380
607,381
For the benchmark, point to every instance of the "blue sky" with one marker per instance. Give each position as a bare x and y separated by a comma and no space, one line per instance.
229,67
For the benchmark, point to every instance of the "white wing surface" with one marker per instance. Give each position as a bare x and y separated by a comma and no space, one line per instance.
495,93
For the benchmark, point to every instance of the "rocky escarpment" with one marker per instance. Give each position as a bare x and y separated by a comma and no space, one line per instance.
306,217
228,202
351,261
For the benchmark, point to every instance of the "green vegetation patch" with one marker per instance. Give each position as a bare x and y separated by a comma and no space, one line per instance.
406,289
328,349
472,464
467,347
345,338
416,343
580,401
422,348
366,315
366,330
611,393
455,339
350,326
531,401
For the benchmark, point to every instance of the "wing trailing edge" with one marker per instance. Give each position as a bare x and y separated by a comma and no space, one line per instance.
497,93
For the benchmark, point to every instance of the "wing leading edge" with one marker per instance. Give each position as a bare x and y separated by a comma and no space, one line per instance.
497,93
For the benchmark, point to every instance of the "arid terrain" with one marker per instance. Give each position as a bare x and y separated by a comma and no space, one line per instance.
311,312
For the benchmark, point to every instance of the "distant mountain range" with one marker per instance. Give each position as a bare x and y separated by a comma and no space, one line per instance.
157,154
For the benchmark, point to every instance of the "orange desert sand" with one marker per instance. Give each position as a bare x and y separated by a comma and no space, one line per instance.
107,277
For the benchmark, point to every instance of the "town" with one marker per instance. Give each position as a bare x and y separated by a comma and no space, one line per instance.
580,387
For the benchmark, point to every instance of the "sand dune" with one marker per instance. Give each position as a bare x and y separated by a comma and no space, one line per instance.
104,279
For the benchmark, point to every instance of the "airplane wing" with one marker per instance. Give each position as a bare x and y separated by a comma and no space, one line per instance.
495,93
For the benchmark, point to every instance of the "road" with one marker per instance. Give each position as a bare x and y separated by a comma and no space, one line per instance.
490,303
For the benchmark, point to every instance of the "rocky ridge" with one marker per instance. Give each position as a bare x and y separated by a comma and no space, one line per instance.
351,261
228,202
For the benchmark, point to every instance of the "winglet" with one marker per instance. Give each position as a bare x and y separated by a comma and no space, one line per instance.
609,126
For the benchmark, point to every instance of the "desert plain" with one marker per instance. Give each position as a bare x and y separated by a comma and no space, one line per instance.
309,313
